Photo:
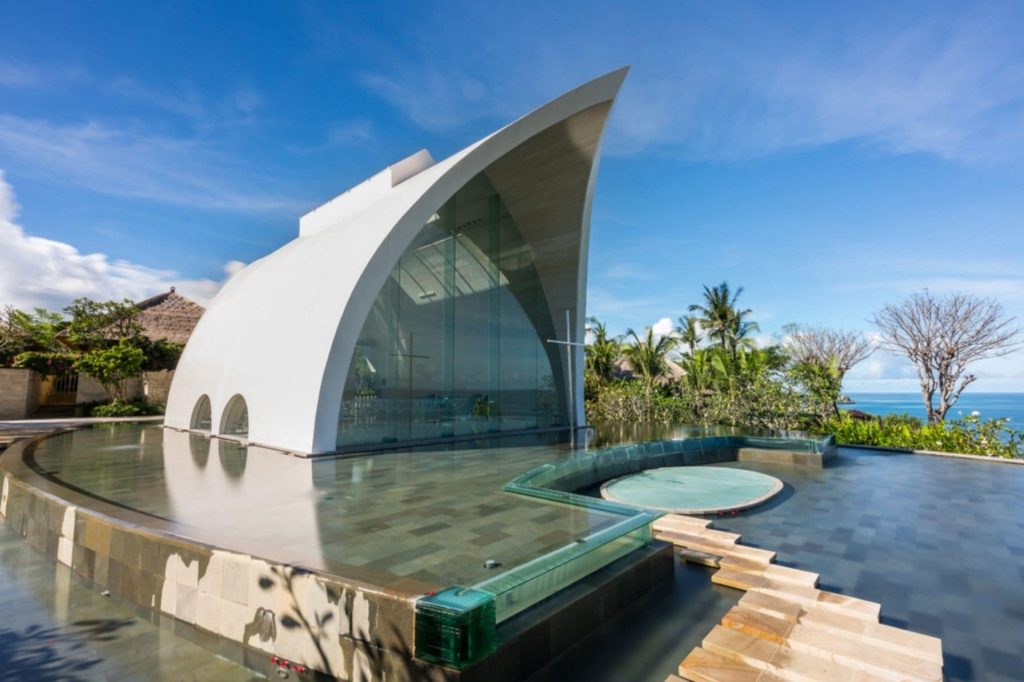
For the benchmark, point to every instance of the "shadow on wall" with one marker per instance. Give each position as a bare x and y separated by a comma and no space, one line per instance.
400,664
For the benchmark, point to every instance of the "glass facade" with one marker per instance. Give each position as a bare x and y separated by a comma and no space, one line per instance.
456,341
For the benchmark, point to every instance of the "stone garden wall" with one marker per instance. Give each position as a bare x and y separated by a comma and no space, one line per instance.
20,391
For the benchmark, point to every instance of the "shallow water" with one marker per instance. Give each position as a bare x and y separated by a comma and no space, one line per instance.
691,489
435,516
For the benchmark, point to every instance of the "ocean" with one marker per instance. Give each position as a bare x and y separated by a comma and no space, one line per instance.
989,405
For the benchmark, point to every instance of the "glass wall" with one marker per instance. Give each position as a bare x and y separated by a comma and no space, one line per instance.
456,341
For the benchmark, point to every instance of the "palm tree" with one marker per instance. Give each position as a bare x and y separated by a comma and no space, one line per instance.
647,355
721,318
689,333
603,351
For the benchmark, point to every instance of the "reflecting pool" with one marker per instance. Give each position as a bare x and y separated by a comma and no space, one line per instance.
435,516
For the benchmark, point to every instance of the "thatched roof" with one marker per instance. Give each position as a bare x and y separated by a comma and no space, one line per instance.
624,368
169,316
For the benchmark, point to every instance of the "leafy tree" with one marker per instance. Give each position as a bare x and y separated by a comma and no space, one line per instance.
160,354
822,357
724,322
112,367
823,385
648,355
943,336
602,352
95,324
21,332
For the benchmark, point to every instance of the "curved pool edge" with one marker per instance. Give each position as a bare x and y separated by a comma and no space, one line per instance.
343,626
339,624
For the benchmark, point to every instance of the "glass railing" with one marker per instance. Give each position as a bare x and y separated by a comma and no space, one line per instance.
458,625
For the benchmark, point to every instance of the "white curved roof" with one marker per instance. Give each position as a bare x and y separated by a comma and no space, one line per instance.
282,331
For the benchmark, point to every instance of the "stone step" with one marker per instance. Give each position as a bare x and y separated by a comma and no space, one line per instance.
715,547
695,557
772,571
702,665
914,644
758,624
862,654
804,596
855,652
775,658
681,521
701,528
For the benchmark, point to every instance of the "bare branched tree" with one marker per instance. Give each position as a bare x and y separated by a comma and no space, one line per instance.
942,336
821,346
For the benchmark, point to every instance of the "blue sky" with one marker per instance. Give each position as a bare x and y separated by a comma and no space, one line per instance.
828,160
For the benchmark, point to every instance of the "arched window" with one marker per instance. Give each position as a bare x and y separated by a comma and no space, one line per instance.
201,414
235,421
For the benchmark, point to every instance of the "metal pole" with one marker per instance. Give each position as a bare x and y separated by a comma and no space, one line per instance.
569,356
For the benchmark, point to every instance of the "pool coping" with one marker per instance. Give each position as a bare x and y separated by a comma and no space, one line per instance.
935,453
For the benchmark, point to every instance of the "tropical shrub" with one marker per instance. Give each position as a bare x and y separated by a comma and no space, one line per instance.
634,401
970,435
123,408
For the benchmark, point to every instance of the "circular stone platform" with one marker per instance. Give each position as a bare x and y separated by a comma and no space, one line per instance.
693,489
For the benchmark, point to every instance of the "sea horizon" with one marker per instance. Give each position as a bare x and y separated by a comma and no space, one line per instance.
988,405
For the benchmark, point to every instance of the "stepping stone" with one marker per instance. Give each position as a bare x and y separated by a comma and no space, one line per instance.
914,644
860,654
780,660
783,574
680,521
695,557
705,666
804,596
715,547
772,605
759,624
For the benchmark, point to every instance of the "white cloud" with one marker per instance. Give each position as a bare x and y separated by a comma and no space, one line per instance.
738,82
663,327
125,162
50,274
431,98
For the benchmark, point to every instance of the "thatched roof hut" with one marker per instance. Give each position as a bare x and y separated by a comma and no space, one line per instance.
624,368
169,316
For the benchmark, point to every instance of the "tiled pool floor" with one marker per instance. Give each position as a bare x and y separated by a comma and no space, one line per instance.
938,542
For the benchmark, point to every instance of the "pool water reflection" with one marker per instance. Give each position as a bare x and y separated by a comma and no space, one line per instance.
435,516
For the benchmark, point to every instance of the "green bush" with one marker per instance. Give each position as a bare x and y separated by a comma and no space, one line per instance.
971,435
632,401
122,408
45,363
112,367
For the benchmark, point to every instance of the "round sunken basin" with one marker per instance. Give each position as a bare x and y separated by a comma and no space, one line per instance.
693,489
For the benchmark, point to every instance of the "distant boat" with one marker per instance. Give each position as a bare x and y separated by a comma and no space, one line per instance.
845,400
